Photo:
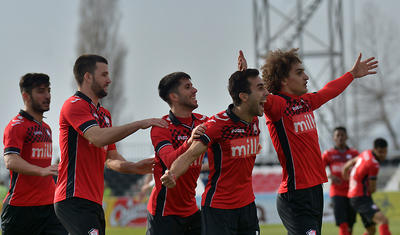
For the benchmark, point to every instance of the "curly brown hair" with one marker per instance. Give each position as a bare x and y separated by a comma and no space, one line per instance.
277,67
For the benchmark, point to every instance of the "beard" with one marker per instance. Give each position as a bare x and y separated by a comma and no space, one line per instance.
98,90
189,104
37,107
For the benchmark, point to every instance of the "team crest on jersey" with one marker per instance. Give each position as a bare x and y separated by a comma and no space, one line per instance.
255,129
107,120
311,232
93,231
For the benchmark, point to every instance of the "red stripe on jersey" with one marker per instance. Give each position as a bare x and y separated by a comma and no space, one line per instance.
32,141
81,169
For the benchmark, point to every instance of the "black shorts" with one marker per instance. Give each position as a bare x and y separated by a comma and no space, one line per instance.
240,221
80,216
301,210
22,220
173,224
343,211
366,207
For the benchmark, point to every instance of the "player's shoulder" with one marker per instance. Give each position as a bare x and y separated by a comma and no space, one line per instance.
200,117
74,101
17,122
220,118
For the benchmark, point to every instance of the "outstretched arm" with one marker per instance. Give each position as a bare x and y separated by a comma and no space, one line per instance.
104,136
181,165
118,163
363,68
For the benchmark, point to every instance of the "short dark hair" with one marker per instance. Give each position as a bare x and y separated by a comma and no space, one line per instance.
86,63
277,67
170,83
340,128
32,80
239,83
380,143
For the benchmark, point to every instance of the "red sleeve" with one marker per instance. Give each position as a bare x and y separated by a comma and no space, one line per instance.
325,158
373,170
13,139
213,131
330,90
274,107
162,142
78,114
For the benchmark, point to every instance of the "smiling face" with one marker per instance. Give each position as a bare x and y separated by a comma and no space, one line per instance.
296,82
185,95
258,96
39,99
100,80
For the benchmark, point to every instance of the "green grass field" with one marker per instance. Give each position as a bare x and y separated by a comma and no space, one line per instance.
327,229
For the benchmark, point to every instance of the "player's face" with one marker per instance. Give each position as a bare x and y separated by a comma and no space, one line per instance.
101,80
40,99
296,82
380,153
257,97
340,138
187,94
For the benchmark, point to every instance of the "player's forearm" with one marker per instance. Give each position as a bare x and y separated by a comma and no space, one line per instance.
104,136
168,154
121,166
19,165
181,165
335,87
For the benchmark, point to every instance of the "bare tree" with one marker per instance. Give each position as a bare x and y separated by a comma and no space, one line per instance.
99,34
378,97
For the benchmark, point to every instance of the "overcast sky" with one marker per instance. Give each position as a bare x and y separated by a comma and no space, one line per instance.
201,38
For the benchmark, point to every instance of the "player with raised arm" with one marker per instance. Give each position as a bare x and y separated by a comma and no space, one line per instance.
289,112
232,140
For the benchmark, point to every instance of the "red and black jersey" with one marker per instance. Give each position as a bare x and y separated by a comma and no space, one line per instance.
81,169
335,160
31,140
366,168
293,130
169,143
232,148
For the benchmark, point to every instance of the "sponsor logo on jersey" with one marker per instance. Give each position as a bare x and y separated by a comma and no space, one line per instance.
245,147
38,133
304,123
182,137
74,100
337,167
41,150
239,130
297,107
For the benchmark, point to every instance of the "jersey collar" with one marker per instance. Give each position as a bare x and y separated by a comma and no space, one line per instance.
176,121
233,116
26,115
86,98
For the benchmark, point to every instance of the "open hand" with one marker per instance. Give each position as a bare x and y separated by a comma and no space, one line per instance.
363,68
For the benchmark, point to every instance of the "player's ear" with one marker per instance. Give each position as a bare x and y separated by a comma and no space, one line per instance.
243,96
25,96
173,96
87,76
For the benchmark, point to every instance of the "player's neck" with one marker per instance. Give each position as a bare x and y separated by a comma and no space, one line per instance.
89,93
341,148
242,113
181,112
38,116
